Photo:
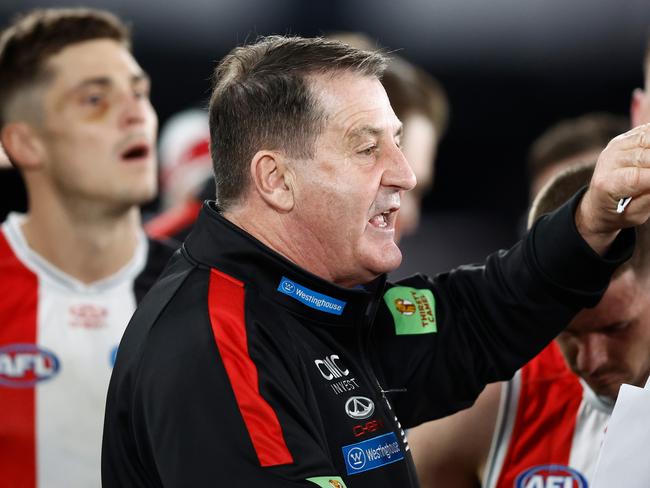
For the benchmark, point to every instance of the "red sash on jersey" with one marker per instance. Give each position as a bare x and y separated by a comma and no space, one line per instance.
549,400
18,309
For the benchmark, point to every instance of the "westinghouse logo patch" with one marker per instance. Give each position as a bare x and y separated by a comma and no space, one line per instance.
551,476
372,453
311,298
413,310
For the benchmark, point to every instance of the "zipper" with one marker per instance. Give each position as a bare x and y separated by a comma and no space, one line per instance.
363,339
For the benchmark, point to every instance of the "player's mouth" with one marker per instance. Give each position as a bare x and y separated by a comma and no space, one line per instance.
136,152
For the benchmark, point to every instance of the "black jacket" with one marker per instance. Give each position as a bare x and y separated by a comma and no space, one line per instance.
242,369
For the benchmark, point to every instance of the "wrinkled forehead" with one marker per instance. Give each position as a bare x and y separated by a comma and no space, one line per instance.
349,99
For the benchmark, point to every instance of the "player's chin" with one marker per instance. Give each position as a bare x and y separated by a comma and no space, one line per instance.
146,189
139,195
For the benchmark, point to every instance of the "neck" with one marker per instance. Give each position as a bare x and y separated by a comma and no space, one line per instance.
83,240
275,231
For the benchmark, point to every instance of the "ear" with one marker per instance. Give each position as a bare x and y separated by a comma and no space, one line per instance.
636,107
22,145
273,180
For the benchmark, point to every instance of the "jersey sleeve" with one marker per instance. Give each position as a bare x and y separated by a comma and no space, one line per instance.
438,341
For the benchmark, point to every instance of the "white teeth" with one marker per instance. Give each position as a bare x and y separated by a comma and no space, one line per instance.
379,220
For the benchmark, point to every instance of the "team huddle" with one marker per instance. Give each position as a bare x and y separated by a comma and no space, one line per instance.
269,348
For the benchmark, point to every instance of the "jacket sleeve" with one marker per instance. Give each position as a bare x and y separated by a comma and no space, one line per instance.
443,339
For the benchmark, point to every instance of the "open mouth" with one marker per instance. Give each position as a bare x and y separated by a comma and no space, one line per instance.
135,152
384,220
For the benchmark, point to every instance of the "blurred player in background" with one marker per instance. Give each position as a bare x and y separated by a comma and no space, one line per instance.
549,420
186,174
76,121
571,141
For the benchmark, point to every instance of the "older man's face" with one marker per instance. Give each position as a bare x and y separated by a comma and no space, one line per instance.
348,195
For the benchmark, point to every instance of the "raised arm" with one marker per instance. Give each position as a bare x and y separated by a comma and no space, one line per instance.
623,170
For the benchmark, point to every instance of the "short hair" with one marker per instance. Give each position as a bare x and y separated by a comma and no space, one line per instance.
262,99
560,189
410,89
571,137
563,186
27,44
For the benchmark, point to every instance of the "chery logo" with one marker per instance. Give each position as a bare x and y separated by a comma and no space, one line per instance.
359,407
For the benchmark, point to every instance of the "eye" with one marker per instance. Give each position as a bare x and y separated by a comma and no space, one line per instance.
94,99
141,92
369,151
617,327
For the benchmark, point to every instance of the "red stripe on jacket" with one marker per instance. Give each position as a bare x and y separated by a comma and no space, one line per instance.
226,308
549,400
18,311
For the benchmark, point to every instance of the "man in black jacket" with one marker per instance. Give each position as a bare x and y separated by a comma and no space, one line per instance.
272,352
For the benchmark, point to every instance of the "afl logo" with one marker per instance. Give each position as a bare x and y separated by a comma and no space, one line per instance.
551,476
358,407
24,365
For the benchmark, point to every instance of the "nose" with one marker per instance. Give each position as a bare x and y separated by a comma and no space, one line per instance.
398,173
137,111
591,354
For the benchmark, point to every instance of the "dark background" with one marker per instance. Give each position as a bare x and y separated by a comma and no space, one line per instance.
510,68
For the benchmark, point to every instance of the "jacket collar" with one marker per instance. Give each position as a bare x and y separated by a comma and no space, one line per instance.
217,243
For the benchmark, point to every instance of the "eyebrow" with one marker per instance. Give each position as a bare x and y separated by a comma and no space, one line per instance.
105,81
370,130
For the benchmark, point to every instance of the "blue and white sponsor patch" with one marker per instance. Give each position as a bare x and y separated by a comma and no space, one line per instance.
112,356
551,476
310,297
372,453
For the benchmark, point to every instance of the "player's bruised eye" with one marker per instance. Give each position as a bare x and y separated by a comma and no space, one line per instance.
95,102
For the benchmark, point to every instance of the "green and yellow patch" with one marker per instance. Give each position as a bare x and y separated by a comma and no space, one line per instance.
413,310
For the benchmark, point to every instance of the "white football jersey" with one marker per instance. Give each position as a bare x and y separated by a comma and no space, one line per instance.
58,340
